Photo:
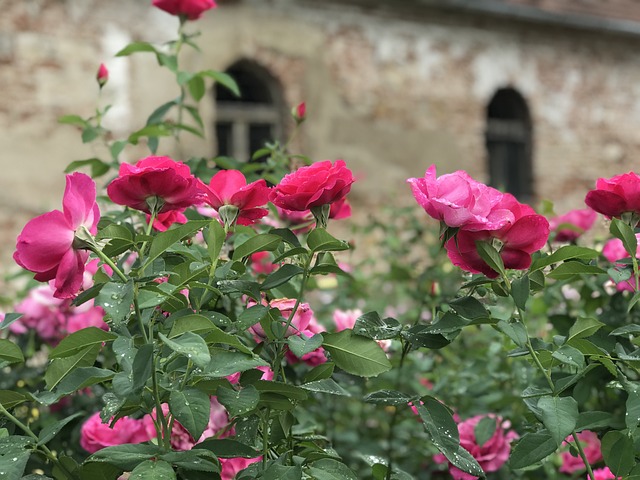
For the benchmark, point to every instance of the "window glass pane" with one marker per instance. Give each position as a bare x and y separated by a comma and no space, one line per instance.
259,134
224,138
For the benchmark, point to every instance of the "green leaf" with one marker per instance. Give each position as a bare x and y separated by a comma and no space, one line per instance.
10,352
14,455
127,456
370,325
136,47
224,363
73,120
515,331
618,452
584,327
80,340
329,469
281,275
282,472
50,431
196,87
238,402
157,116
229,448
484,430
9,318
490,255
9,398
191,346
624,232
319,240
592,420
520,291
632,415
326,385
153,470
98,167
258,243
142,367
83,377
116,300
469,307
301,344
355,354
570,356
531,448
571,269
61,367
150,131
215,238
322,371
164,240
388,397
191,407
559,415
567,252
223,79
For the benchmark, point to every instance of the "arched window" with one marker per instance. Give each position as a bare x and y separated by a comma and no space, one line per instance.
244,124
508,140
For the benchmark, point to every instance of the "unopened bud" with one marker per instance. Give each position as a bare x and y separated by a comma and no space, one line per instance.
103,75
299,112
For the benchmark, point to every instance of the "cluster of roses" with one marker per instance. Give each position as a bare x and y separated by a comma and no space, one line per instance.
55,245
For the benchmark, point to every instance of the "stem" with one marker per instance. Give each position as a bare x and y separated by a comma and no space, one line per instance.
48,453
583,455
109,262
164,439
405,349
265,437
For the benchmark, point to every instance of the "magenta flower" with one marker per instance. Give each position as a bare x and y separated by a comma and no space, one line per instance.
229,188
459,201
163,221
102,76
571,225
491,455
616,195
95,435
603,474
312,186
591,446
613,251
49,245
299,112
301,319
159,181
191,9
527,234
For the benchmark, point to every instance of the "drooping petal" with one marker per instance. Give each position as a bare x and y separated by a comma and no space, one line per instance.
70,274
79,200
605,202
528,234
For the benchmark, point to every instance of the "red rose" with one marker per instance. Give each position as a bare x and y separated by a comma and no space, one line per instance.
191,9
313,186
170,182
616,195
103,75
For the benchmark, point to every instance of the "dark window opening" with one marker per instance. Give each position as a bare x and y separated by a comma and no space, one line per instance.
508,140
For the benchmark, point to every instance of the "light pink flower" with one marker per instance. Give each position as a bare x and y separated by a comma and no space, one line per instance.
528,233
317,356
102,76
47,244
344,319
190,9
603,474
616,195
591,446
312,186
458,200
155,179
299,323
232,466
229,187
267,374
491,456
613,251
95,435
181,439
571,225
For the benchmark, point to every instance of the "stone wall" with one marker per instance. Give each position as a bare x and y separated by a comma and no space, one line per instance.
390,92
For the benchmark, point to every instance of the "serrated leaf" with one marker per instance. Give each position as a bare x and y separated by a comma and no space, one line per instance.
569,356
238,402
9,398
515,331
388,397
116,300
164,240
618,452
80,340
584,327
258,243
61,367
9,318
370,325
191,346
329,469
559,415
10,352
355,354
191,407
625,233
319,240
520,291
490,255
569,270
531,448
301,344
567,252
225,363
326,385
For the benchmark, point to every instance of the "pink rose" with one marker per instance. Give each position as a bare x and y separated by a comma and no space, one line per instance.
261,263
616,195
229,188
528,233
160,180
48,245
314,358
340,209
299,112
191,9
458,200
312,186
613,251
267,374
491,455
41,312
164,220
232,466
181,439
299,323
603,474
591,446
102,76
95,435
344,319
571,225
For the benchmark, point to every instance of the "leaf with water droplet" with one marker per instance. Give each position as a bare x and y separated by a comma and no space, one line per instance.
191,346
191,407
116,300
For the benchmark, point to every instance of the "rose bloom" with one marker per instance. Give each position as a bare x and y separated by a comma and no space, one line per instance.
613,251
603,474
95,435
232,466
48,245
491,456
267,374
299,323
102,76
229,187
164,220
170,182
527,234
459,201
312,186
571,225
590,445
317,356
616,195
191,9
261,263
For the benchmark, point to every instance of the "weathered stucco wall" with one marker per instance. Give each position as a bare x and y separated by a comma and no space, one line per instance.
390,92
